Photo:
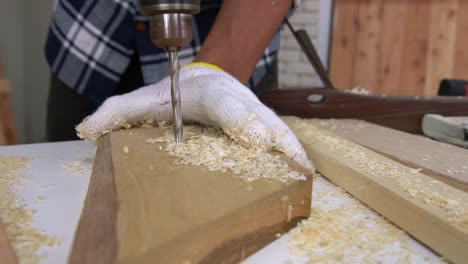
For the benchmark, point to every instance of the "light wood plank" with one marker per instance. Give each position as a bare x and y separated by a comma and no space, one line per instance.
368,45
442,161
442,40
344,43
392,189
178,213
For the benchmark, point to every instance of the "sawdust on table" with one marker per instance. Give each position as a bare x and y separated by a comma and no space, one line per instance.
341,229
79,167
15,214
210,147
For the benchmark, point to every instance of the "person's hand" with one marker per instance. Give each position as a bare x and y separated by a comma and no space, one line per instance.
208,96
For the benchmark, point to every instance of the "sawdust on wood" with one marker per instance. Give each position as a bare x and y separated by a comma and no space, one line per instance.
210,147
15,214
409,181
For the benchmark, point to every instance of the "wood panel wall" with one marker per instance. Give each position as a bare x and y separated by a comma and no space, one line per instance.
400,47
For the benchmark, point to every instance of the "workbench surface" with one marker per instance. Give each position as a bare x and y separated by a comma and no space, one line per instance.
67,167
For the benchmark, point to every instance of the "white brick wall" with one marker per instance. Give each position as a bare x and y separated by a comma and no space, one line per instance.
295,71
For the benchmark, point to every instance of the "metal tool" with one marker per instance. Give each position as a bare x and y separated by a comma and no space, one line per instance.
309,50
171,29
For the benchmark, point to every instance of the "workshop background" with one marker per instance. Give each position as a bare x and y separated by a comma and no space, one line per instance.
365,45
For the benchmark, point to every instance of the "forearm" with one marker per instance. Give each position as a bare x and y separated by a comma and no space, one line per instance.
241,33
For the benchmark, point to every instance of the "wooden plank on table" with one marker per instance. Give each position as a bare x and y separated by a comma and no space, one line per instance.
461,47
431,211
416,44
390,54
7,255
142,208
367,45
343,42
442,161
442,38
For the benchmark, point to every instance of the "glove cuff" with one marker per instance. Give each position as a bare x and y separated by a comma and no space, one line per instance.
204,64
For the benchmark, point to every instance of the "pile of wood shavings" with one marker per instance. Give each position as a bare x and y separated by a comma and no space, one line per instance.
210,147
343,230
406,180
16,216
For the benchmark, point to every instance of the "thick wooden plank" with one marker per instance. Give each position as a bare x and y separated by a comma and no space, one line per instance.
7,255
344,42
429,210
392,42
416,44
143,208
368,44
461,51
399,112
442,161
442,39
100,207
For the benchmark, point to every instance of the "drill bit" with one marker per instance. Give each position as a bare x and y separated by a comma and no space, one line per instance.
175,93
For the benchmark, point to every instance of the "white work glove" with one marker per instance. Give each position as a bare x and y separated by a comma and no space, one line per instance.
208,96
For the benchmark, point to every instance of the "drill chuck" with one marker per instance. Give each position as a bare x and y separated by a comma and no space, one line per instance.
170,21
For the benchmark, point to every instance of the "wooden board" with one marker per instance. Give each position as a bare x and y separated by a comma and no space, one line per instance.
395,193
400,112
439,160
177,213
7,255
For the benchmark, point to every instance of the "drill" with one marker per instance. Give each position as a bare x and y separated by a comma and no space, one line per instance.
171,29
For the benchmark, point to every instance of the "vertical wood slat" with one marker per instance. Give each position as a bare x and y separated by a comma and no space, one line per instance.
441,53
418,43
344,42
461,46
390,56
413,67
367,44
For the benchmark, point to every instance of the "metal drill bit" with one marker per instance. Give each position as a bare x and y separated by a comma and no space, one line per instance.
175,93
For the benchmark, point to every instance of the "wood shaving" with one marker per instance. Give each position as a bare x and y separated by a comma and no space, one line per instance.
125,149
403,179
15,214
80,167
46,186
348,231
210,147
358,90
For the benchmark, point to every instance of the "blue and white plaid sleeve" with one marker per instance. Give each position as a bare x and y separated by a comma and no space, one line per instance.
90,44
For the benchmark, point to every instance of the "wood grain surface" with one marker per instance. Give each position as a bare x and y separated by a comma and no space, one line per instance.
399,47
7,255
399,112
436,159
427,222
142,208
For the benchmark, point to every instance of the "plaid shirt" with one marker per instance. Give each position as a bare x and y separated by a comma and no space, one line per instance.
90,44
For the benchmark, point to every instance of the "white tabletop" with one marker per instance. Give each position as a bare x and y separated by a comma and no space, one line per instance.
66,166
